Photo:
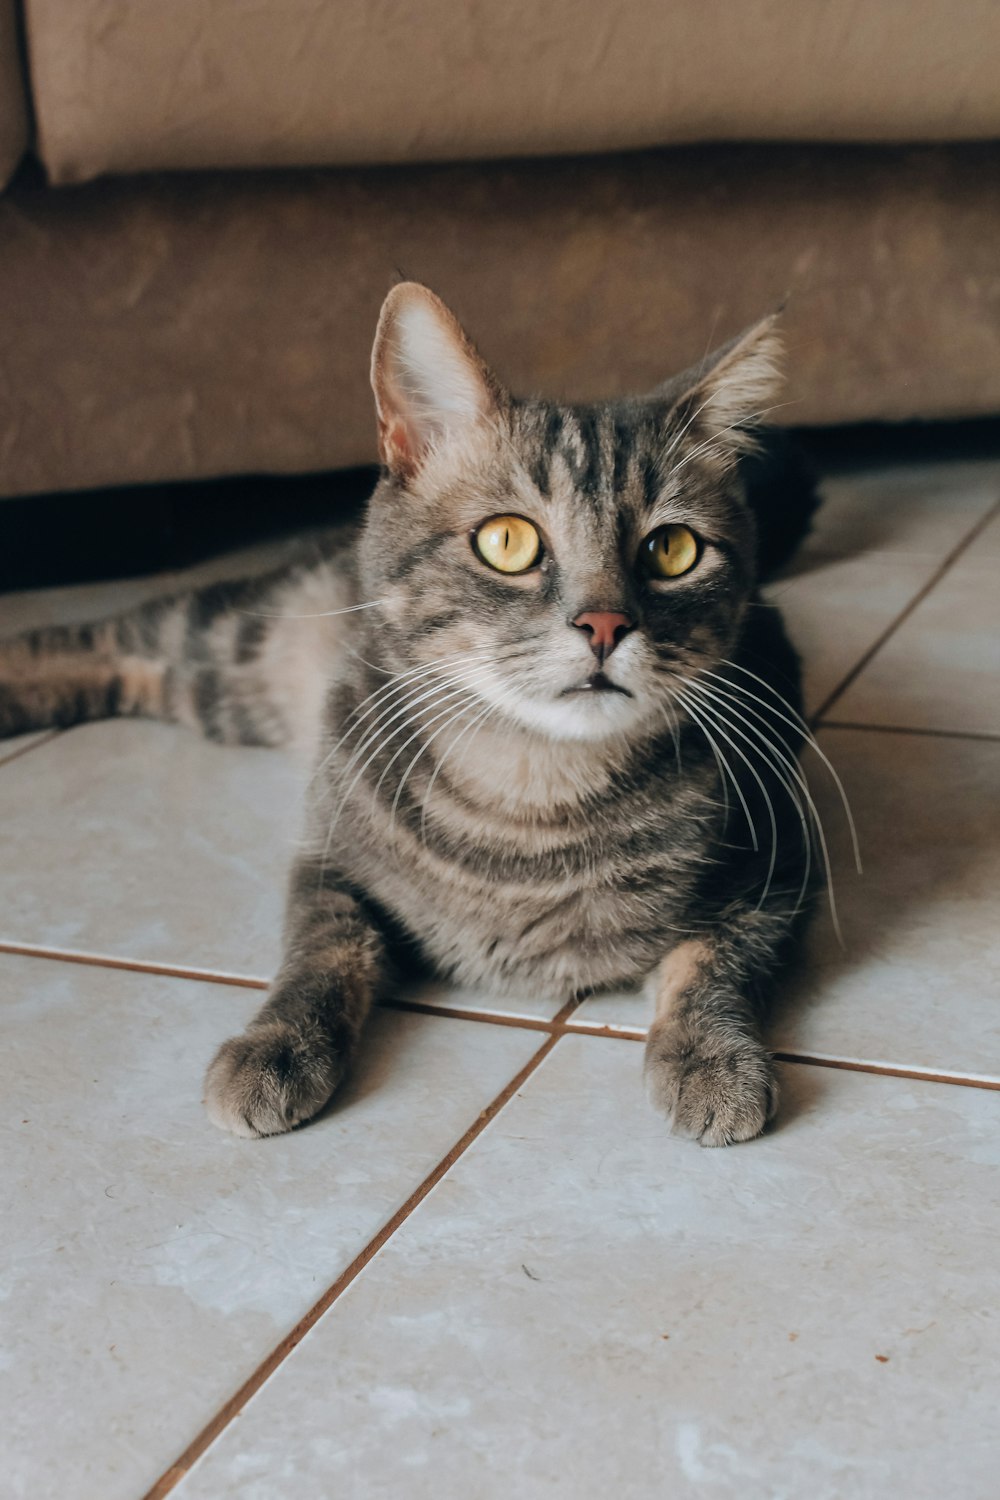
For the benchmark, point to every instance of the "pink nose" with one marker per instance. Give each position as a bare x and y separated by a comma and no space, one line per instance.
606,629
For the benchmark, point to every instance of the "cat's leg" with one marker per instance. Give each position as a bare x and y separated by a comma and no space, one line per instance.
707,1066
298,1047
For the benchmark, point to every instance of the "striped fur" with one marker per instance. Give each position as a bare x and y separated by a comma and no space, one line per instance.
235,660
473,808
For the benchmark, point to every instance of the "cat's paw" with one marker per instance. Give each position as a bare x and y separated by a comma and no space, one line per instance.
271,1079
716,1090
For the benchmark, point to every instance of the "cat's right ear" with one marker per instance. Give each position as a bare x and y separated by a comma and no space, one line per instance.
430,384
723,399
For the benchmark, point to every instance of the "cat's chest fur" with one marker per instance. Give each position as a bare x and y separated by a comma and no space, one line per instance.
522,870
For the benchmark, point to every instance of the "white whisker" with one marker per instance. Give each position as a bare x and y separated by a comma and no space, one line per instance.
422,729
820,832
709,443
323,614
414,678
670,714
714,717
722,762
440,691
476,724
810,740
380,739
378,736
687,425
789,786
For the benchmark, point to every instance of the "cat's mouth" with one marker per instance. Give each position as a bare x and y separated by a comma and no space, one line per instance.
597,682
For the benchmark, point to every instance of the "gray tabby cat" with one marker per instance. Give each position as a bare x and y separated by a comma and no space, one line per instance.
557,730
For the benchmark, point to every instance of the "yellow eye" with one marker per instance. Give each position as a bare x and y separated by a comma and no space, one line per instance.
669,552
508,543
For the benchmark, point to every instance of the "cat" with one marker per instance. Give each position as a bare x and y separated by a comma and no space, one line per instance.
555,730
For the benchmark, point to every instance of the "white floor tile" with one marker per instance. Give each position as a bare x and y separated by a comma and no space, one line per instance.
585,1307
628,1011
941,668
150,1262
836,608
917,985
878,538
539,1006
915,509
10,749
142,841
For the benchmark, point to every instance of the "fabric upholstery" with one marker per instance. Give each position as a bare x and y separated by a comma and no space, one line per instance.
138,85
13,109
185,326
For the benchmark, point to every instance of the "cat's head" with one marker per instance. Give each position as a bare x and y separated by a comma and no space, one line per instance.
568,565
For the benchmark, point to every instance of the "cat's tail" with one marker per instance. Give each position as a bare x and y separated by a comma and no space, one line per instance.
197,658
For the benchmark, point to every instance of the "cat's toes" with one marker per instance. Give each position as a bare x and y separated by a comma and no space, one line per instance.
270,1079
717,1091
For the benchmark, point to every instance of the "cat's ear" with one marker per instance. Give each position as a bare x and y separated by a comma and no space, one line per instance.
430,384
729,394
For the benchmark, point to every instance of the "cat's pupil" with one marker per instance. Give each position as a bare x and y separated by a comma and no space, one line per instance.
509,544
670,551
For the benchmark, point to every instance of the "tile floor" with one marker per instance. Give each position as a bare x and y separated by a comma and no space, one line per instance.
489,1272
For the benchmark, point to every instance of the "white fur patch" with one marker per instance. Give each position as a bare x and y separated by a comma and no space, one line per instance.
429,383
433,374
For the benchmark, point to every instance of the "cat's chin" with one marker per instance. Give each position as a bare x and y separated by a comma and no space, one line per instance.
581,716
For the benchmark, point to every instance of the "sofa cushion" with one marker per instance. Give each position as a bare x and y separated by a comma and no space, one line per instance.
183,326
148,85
13,111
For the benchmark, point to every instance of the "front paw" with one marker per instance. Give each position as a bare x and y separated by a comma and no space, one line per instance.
271,1078
716,1089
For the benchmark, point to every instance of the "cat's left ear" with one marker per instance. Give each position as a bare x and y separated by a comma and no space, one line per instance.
430,384
729,393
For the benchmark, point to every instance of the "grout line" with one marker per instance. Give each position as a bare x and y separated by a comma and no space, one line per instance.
43,737
811,1060
886,1070
135,965
806,1059
248,982
906,612
560,1027
172,1476
555,1027
940,734
457,1013
615,1032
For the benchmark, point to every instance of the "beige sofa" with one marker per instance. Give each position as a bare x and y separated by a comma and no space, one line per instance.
189,284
